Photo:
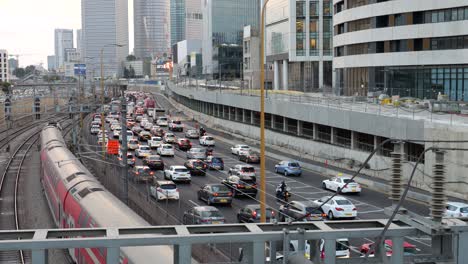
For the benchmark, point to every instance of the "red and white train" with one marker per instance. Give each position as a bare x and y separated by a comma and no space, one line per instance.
77,200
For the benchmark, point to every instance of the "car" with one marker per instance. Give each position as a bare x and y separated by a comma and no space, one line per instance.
115,125
196,153
165,150
215,163
251,214
242,170
169,138
215,193
154,162
136,130
130,122
95,129
144,136
408,249
164,190
100,140
142,174
96,123
304,210
288,168
203,215
130,158
153,129
195,166
143,122
337,207
158,132
337,184
155,142
161,121
456,209
142,151
241,185
184,144
207,141
192,133
130,136
117,132
139,117
148,126
132,144
176,125
177,173
342,248
249,156
235,149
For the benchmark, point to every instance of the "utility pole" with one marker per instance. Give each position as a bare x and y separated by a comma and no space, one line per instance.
123,119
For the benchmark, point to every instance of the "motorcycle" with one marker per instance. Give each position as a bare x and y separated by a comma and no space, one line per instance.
283,196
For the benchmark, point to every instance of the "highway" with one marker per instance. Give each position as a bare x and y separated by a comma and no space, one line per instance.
369,203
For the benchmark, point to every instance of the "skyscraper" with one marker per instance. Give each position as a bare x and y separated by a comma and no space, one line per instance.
152,28
104,24
193,20
177,21
79,39
63,40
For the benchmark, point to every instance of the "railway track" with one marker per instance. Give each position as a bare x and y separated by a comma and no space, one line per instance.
9,185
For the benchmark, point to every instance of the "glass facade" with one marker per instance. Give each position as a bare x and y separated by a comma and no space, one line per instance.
327,28
277,29
314,28
177,21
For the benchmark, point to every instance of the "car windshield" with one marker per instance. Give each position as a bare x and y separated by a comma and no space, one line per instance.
313,210
208,138
244,147
342,245
144,171
197,163
177,122
168,186
144,148
268,212
170,136
248,169
130,155
198,150
211,214
133,142
348,181
294,164
192,131
181,170
464,210
163,118
217,160
219,188
167,147
153,158
247,181
342,202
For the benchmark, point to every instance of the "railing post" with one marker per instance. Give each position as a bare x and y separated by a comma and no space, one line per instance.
397,250
183,254
330,251
39,256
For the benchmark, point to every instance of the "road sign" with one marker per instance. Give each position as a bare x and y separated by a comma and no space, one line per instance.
113,147
80,69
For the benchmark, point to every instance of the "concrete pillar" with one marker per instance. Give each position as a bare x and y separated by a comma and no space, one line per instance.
243,115
299,128
252,117
376,141
320,42
285,124
321,74
333,135
229,113
276,75
315,131
236,115
272,118
353,140
285,75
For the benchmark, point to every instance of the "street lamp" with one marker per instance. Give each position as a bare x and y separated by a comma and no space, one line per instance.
262,117
103,127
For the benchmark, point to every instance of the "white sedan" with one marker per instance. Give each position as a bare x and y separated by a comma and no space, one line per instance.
165,150
164,190
207,141
337,184
238,148
177,173
456,209
337,207
155,142
142,151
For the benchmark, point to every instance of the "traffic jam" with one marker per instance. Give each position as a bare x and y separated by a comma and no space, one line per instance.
179,160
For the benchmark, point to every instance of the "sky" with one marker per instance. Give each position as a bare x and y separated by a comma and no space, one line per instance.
27,26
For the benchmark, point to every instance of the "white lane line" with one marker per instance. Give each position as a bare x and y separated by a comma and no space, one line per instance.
311,193
373,211
194,203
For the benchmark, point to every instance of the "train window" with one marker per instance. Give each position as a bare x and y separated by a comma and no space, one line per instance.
73,176
51,148
53,140
96,189
84,192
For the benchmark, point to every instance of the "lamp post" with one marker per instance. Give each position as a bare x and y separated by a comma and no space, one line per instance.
262,117
103,122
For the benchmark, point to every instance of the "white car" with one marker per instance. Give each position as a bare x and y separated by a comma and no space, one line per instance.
132,144
337,184
207,141
155,142
164,190
130,135
143,151
148,126
143,122
95,129
169,138
337,207
456,209
177,173
117,132
162,121
165,150
237,148
342,247
115,126
242,170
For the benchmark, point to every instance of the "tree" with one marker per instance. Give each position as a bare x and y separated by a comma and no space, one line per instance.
126,73
19,72
131,58
30,69
131,72
5,87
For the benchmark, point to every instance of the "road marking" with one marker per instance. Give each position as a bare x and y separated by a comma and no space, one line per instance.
373,211
308,192
194,203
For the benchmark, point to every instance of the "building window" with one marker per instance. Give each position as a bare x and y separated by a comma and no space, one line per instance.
314,6
327,8
300,9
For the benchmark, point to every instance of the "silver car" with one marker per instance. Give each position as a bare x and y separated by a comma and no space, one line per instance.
203,215
196,153
192,133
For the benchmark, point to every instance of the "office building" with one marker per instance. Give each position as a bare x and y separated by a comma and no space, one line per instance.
4,73
152,29
251,58
51,63
193,20
182,56
104,24
410,48
12,65
223,24
63,40
299,44
79,40
178,20
72,55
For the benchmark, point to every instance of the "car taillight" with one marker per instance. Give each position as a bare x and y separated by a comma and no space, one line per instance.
354,209
254,214
254,186
137,173
238,186
229,193
152,172
205,220
273,213
133,159
324,215
215,194
338,208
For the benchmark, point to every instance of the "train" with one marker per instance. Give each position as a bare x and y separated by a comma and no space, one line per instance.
77,200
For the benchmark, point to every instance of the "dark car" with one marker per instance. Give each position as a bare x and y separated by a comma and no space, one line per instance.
203,215
184,144
142,173
196,167
154,162
215,163
251,214
215,193
241,185
250,157
144,136
304,210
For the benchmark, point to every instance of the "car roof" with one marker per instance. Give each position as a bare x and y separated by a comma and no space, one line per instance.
306,203
178,167
192,160
457,204
164,182
245,166
256,206
405,244
205,208
141,167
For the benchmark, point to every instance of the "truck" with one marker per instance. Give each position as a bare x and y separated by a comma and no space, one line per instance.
150,103
157,112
